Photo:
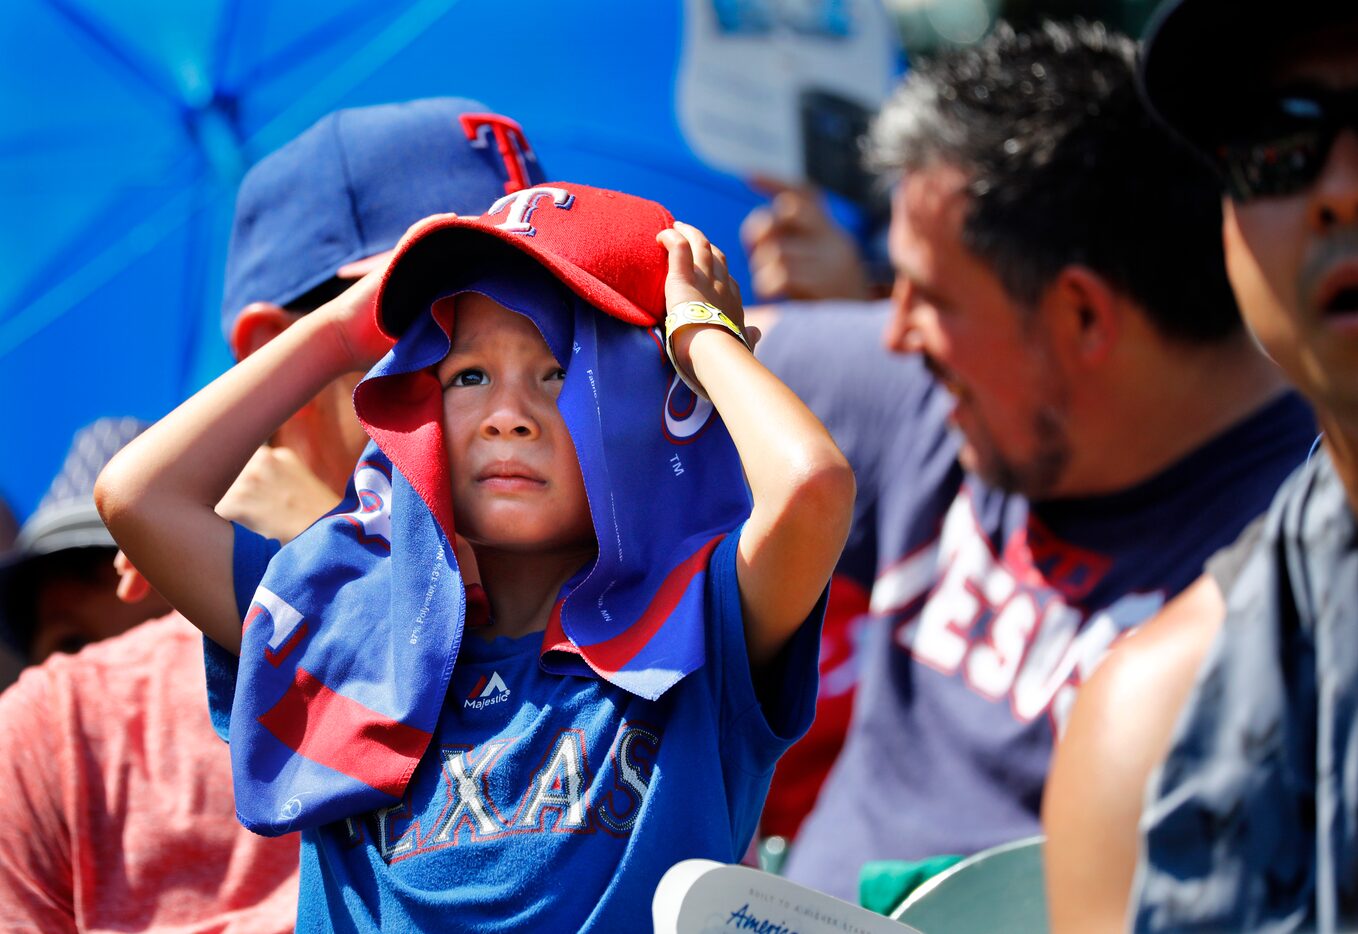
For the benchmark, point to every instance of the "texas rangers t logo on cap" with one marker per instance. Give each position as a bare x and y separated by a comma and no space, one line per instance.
509,139
522,204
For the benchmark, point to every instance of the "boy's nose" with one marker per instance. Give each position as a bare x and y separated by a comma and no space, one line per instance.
508,419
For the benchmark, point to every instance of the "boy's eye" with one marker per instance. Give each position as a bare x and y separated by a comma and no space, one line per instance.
468,377
557,374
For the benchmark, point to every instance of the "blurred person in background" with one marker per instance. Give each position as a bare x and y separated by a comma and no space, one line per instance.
119,812
58,586
1225,728
10,660
1078,423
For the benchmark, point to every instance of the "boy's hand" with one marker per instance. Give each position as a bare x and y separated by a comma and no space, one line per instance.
361,340
353,317
698,273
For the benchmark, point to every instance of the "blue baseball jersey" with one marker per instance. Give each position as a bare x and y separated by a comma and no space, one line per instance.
990,610
552,802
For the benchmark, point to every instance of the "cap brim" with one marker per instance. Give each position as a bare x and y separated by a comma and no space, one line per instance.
1201,59
58,528
420,271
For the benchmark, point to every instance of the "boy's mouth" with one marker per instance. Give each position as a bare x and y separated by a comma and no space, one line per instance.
509,475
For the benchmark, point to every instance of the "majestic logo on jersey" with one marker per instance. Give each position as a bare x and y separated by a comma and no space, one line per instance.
1009,623
519,207
488,691
286,625
509,140
372,519
501,789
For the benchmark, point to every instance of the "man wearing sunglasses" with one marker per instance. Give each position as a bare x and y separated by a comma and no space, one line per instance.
1074,420
1240,702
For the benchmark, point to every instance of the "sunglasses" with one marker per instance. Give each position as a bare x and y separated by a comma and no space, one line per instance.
1287,144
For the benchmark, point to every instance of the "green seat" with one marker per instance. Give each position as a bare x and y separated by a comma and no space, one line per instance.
999,889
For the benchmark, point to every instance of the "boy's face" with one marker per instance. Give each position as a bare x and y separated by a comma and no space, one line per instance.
517,485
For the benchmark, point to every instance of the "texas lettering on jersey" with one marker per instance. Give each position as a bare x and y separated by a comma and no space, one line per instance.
475,804
1013,626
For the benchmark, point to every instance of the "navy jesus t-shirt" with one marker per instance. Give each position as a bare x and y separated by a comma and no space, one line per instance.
991,610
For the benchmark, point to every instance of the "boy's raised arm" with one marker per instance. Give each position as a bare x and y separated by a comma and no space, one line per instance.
802,485
158,496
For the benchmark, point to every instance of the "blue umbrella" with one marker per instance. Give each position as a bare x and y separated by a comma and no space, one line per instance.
126,125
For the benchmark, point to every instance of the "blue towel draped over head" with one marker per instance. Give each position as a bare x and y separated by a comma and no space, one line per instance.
352,636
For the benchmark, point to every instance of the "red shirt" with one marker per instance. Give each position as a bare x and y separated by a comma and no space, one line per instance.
116,809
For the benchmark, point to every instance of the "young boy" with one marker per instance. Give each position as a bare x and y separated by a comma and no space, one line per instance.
634,670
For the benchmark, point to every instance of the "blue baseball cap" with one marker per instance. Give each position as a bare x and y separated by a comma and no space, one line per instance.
350,186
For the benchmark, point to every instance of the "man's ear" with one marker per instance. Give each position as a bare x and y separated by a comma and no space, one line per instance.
256,325
1084,312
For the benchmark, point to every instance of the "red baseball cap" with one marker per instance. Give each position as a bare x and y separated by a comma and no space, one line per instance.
600,243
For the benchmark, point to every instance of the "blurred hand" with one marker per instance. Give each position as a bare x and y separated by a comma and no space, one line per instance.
797,251
276,495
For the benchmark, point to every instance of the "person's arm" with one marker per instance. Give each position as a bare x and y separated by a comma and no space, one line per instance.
158,495
802,486
276,495
1119,730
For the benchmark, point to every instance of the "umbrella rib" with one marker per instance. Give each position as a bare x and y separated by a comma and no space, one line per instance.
227,28
121,54
306,46
80,284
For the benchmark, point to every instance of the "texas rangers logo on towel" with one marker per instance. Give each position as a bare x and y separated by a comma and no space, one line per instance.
346,661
